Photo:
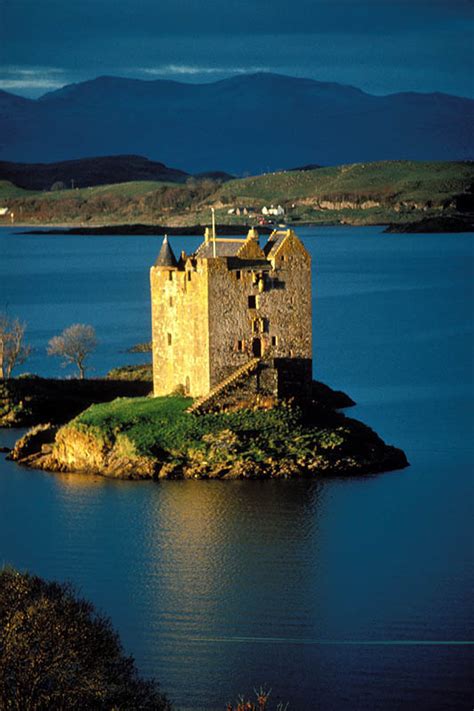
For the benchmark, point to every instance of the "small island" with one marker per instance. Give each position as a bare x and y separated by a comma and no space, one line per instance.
233,395
155,438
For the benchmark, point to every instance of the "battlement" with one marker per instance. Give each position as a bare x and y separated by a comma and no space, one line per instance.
230,301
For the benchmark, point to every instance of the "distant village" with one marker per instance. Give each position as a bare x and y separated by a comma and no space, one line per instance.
265,212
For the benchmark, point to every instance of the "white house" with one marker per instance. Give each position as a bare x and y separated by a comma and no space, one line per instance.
277,211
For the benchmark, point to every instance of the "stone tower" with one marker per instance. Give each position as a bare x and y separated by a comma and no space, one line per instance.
229,304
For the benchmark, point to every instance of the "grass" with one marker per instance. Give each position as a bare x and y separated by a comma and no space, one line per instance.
8,190
125,190
404,180
161,424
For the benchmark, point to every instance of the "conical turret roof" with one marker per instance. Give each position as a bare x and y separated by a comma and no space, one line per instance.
166,256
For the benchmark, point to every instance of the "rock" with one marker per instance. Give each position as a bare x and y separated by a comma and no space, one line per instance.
32,442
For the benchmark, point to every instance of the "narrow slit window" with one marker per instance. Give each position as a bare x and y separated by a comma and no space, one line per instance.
238,274
240,346
171,301
274,341
170,276
169,339
189,275
252,302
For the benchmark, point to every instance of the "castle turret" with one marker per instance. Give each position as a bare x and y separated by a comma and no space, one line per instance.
166,256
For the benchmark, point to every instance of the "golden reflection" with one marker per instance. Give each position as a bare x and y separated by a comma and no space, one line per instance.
216,538
80,481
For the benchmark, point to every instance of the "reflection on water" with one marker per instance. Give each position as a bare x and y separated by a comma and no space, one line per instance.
337,594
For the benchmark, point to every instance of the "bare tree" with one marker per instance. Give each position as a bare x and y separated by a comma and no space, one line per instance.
74,346
13,351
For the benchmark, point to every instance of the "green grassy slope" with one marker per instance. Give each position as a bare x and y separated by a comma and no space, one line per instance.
9,191
157,424
124,190
403,180
283,441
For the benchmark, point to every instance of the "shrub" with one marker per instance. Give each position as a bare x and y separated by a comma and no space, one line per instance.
58,652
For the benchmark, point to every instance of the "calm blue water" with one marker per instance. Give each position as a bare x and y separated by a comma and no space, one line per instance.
338,594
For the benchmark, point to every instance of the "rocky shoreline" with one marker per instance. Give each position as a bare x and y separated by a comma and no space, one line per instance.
77,451
290,442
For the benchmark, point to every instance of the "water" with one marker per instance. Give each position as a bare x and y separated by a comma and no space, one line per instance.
339,594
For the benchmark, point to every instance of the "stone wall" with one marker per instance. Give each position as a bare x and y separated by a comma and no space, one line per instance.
279,314
180,329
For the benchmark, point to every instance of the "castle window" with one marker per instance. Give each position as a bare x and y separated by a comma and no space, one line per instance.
274,341
252,302
170,276
169,339
189,275
238,274
240,346
171,301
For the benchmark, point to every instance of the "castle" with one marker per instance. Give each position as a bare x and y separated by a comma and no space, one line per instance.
233,313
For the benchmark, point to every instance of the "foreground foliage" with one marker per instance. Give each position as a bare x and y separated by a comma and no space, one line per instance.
58,652
260,703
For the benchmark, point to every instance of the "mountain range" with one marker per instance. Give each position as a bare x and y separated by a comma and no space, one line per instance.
251,124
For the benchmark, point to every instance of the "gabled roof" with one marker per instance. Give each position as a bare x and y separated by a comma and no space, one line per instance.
247,248
278,238
223,248
274,242
166,256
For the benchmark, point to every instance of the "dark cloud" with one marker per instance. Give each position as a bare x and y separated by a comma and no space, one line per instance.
378,45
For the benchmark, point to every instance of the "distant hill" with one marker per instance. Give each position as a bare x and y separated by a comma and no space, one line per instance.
246,124
87,172
422,184
368,193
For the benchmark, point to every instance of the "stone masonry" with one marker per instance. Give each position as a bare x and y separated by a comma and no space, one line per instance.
227,303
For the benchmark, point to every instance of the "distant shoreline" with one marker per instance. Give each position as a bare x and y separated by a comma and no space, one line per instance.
442,224
143,230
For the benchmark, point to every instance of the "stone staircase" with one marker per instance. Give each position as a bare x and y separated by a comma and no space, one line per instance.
218,389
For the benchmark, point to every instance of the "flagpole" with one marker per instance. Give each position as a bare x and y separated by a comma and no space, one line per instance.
213,232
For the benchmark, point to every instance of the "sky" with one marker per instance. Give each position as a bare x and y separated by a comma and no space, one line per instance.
380,46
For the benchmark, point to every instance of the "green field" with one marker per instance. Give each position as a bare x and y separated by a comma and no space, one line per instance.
401,180
121,190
